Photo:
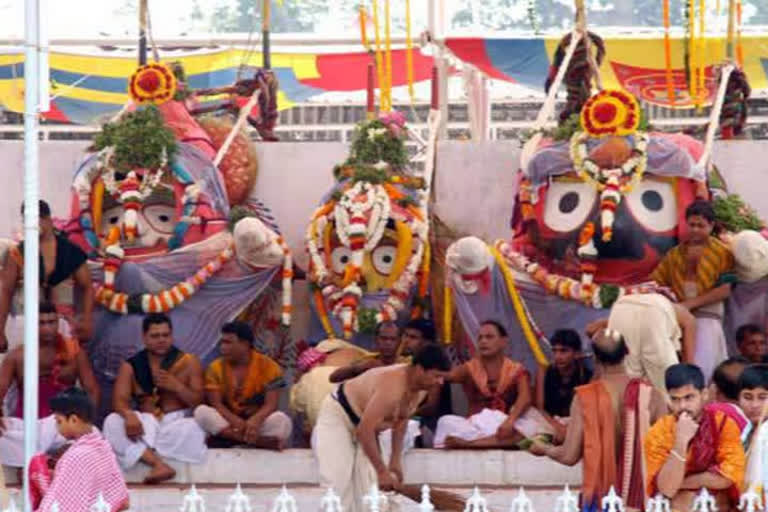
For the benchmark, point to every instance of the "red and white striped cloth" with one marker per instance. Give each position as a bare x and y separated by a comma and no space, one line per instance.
88,467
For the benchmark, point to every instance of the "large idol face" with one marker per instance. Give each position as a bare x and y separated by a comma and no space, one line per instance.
568,210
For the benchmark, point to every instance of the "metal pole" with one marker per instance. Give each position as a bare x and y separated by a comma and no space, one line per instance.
143,32
31,236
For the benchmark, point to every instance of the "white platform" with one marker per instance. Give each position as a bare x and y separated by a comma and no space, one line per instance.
458,468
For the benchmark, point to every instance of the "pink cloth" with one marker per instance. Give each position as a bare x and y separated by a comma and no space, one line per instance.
733,411
39,478
86,469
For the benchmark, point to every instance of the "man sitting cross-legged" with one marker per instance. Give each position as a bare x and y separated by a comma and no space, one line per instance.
165,384
694,447
242,388
61,365
499,394
87,469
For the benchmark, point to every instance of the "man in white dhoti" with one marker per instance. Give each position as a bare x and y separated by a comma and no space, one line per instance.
346,444
655,330
61,365
165,383
243,390
498,390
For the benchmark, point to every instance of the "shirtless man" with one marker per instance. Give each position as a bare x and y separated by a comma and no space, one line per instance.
62,365
350,419
165,384
61,261
498,390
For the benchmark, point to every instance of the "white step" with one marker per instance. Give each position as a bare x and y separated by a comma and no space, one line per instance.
169,498
443,467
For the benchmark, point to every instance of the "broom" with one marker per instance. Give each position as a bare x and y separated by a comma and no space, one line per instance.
442,500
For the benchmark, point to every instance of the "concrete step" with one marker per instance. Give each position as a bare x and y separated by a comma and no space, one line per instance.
170,497
438,467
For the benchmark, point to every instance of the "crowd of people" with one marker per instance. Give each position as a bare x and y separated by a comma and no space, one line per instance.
635,406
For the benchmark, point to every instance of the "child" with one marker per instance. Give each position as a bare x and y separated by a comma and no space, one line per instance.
89,466
753,399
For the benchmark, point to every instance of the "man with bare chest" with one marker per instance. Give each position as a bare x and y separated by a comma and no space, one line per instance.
498,390
346,434
154,395
62,365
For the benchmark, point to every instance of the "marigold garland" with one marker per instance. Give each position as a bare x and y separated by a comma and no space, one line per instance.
152,83
522,318
164,301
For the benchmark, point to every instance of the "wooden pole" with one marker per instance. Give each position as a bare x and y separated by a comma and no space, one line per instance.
143,32
266,20
729,46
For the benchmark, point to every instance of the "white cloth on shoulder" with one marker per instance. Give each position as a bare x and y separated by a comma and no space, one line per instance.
175,436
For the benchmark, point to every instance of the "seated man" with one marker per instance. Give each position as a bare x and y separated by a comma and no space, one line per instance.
753,398
657,331
417,334
608,419
693,447
242,388
499,393
88,468
387,342
61,365
556,384
725,390
700,272
165,384
751,341
318,364
347,449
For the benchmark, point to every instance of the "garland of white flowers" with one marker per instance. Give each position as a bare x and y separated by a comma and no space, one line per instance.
149,181
611,183
360,237
588,170
566,287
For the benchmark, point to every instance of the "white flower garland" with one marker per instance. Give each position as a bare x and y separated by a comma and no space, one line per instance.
634,167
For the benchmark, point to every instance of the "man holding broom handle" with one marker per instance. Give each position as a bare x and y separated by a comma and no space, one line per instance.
346,434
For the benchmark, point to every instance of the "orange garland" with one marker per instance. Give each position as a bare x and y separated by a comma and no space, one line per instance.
668,55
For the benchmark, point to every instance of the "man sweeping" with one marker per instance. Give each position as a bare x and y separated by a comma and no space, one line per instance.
345,439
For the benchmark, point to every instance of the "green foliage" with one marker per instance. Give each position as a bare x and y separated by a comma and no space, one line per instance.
366,320
138,139
237,214
734,215
609,293
370,149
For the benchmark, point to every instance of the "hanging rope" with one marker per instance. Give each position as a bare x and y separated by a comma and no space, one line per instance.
579,72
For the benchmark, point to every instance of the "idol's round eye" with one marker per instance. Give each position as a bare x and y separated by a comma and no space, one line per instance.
568,204
654,204
340,256
383,259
